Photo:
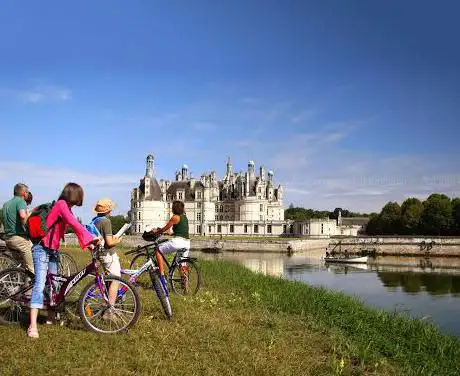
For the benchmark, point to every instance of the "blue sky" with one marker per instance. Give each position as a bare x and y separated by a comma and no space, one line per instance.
352,104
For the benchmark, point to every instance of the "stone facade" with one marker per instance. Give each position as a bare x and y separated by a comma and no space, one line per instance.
238,204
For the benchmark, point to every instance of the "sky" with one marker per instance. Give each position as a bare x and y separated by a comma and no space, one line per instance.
351,103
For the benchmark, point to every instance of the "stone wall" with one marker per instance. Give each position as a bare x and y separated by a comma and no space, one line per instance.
281,245
399,245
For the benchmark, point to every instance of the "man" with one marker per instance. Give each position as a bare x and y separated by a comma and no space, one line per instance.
15,215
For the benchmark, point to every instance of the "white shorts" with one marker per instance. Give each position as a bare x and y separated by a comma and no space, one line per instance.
112,264
174,244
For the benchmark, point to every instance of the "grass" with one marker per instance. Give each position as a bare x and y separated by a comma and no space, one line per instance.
241,323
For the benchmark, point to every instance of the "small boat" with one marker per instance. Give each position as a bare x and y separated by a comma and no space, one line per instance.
349,260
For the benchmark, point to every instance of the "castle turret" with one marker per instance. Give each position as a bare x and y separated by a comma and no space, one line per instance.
149,166
184,172
262,173
229,171
270,176
251,169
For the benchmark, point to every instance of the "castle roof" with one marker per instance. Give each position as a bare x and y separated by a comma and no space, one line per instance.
183,185
154,190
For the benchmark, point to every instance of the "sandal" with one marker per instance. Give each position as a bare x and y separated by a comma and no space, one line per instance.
32,332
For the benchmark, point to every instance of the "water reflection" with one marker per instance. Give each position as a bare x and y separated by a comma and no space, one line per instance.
420,287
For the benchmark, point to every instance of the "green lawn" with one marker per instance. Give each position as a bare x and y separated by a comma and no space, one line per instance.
241,323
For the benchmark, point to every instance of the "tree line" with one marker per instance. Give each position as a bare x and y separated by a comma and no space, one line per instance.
437,215
301,214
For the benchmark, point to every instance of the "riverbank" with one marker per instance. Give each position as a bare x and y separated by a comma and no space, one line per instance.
242,323
425,246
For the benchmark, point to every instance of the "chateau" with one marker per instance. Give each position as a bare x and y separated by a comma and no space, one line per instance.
243,203
239,204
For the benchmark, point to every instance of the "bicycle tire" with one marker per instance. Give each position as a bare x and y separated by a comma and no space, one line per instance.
67,265
18,311
175,282
162,294
91,287
7,262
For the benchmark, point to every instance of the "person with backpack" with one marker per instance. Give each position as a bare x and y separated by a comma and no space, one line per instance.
55,218
103,228
15,215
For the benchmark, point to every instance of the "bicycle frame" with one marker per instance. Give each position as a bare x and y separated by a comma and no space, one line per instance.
68,283
149,265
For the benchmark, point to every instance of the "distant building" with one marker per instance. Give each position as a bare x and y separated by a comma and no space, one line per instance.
240,203
243,203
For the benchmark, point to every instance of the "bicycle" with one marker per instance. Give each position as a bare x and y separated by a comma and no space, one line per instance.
68,265
181,271
159,283
15,294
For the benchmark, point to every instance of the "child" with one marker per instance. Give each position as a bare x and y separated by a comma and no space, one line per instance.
111,261
181,238
45,253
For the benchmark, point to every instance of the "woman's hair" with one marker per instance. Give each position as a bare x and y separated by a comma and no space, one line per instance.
72,194
178,207
30,197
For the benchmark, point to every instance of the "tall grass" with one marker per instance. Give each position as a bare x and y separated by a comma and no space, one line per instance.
417,347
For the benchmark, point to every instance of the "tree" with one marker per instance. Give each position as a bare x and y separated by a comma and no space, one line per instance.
1,216
411,212
117,222
436,217
390,217
456,216
374,226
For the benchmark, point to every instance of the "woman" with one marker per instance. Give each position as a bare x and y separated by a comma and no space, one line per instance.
180,236
45,254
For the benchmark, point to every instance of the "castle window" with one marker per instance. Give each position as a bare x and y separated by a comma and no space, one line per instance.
291,229
232,228
198,205
221,208
261,207
198,216
209,229
245,229
198,195
219,228
284,229
269,229
261,217
139,215
180,195
322,228
198,229
221,217
256,229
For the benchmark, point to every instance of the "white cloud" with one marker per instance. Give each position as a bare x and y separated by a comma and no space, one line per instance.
38,94
46,184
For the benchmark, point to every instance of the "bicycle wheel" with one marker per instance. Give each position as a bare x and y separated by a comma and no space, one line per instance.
15,290
159,286
136,263
98,316
185,278
67,265
7,262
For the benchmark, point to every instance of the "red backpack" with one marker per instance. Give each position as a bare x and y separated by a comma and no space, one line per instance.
36,227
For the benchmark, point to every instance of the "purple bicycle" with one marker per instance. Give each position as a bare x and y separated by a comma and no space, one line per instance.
95,311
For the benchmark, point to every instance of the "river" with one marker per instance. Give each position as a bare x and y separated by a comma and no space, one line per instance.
421,287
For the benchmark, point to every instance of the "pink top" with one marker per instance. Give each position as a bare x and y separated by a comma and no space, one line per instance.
61,209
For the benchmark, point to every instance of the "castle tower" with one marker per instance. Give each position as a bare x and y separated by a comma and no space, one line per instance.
251,171
184,172
149,166
262,173
229,171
